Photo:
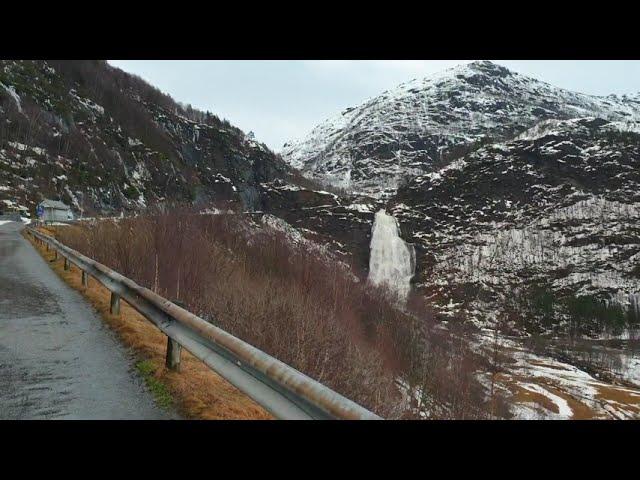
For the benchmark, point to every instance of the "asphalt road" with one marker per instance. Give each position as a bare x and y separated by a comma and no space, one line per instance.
58,360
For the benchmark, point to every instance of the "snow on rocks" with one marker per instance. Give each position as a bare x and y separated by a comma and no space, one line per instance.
134,142
568,238
87,103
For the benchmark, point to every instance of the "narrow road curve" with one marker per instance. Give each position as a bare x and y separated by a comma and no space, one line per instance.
58,360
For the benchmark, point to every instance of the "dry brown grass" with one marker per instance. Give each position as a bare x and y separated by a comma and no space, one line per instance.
623,396
581,411
197,391
47,230
522,395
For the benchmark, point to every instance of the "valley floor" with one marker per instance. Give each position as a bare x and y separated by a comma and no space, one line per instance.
542,387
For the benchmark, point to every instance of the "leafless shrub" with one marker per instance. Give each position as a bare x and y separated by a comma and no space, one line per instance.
295,305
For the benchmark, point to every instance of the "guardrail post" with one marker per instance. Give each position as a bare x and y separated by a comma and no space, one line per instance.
85,279
66,263
115,304
174,351
55,255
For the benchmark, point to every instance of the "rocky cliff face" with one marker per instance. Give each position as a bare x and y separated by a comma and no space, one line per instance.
546,217
105,141
342,222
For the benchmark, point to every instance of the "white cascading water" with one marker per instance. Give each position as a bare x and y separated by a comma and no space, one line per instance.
392,260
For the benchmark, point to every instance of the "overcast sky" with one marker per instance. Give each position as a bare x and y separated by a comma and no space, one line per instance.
283,100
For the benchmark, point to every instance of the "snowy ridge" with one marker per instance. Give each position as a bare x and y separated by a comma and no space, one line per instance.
411,129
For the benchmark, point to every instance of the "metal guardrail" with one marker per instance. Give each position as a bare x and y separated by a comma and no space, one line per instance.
282,390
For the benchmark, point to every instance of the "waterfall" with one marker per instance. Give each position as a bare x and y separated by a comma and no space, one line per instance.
392,260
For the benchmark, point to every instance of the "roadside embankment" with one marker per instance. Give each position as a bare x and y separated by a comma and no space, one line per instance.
196,391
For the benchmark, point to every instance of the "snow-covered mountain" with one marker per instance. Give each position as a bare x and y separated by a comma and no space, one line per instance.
421,125
540,232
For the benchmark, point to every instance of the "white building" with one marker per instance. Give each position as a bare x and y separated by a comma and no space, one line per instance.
55,211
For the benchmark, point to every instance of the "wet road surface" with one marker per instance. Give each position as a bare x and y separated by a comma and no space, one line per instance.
58,360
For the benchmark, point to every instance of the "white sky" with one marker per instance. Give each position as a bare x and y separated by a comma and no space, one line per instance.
280,100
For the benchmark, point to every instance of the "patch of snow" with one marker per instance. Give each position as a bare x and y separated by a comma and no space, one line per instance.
87,103
564,410
18,146
360,207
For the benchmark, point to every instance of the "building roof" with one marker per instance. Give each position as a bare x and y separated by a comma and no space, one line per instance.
56,204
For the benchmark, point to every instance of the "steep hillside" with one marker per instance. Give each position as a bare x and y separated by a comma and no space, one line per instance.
540,233
343,222
521,198
422,125
103,141
519,230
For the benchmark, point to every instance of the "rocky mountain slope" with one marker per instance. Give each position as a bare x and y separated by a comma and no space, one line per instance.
521,198
105,141
519,230
421,125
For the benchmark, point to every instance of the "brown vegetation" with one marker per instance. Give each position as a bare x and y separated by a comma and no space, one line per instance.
197,391
311,313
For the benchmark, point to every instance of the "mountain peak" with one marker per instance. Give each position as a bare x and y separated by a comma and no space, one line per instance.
488,68
415,128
